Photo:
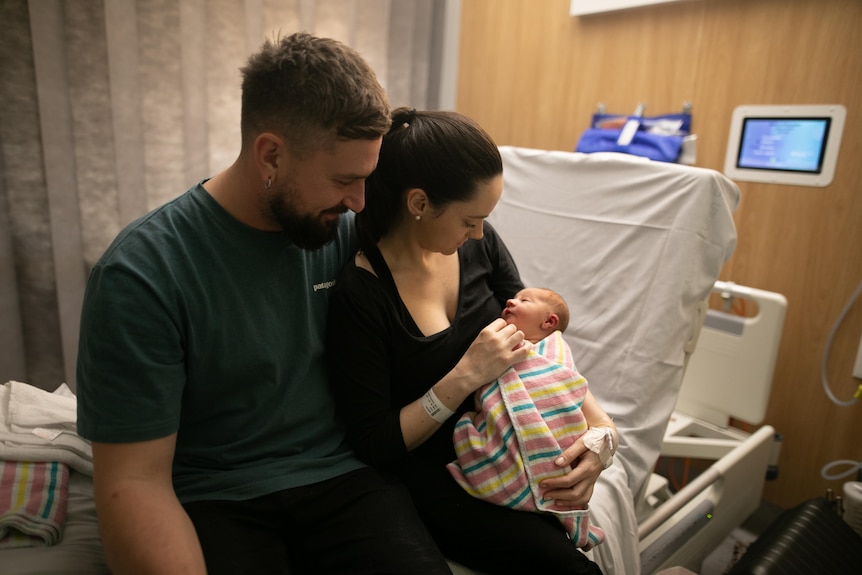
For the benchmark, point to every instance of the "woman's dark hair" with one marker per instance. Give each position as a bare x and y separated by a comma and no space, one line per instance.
446,154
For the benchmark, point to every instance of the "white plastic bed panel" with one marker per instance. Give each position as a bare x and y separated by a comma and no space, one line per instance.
730,372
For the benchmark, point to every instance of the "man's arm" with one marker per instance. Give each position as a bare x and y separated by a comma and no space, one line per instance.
144,528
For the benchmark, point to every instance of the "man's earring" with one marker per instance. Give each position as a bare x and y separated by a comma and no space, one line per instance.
268,183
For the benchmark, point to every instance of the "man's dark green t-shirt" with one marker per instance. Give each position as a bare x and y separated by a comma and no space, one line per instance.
197,324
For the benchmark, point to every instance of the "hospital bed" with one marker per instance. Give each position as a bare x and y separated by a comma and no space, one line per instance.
635,247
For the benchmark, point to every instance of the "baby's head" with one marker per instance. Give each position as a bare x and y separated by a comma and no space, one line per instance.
537,312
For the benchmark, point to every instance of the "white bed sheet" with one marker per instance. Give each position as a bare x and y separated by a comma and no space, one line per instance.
634,246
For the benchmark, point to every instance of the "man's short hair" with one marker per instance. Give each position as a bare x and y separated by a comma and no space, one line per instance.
310,91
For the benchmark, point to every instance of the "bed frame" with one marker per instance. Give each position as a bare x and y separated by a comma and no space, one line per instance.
729,376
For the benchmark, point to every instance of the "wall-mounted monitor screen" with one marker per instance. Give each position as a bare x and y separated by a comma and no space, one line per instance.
796,145
792,144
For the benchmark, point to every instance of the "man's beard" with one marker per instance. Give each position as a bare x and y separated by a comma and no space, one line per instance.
308,232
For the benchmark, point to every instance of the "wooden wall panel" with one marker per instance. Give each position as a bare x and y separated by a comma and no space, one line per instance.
533,75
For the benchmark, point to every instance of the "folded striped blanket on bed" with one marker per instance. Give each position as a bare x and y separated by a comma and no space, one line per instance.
33,498
522,423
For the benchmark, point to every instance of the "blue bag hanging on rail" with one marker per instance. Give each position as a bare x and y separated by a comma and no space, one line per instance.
656,137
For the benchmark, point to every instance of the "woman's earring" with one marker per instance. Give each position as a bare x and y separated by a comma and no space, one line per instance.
268,183
417,218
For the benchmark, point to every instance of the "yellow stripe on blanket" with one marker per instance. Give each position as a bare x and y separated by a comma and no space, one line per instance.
483,490
23,484
562,388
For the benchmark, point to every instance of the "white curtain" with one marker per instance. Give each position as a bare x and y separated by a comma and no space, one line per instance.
108,108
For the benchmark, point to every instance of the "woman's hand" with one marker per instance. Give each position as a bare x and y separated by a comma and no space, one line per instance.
574,489
497,347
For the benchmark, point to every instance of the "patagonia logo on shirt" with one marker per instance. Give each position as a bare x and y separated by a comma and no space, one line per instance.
324,285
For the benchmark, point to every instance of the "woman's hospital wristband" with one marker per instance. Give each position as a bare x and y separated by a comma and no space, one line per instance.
600,440
435,408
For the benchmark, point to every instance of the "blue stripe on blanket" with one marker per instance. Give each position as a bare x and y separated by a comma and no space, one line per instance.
491,389
544,455
492,457
539,372
566,409
49,504
521,496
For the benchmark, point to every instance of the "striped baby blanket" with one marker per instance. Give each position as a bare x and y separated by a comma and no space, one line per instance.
522,423
33,498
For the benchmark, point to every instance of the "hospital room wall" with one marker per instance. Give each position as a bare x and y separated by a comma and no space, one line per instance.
533,75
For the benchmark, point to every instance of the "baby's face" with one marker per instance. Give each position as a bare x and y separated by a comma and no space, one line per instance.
528,311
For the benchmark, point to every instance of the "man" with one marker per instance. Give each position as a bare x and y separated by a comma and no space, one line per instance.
201,377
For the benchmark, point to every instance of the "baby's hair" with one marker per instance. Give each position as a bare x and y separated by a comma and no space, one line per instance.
558,306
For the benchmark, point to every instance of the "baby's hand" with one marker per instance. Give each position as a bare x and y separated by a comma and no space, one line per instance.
522,344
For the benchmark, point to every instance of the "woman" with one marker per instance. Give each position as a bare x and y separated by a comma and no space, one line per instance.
414,329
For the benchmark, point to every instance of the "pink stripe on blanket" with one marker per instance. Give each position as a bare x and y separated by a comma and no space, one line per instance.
37,497
7,480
